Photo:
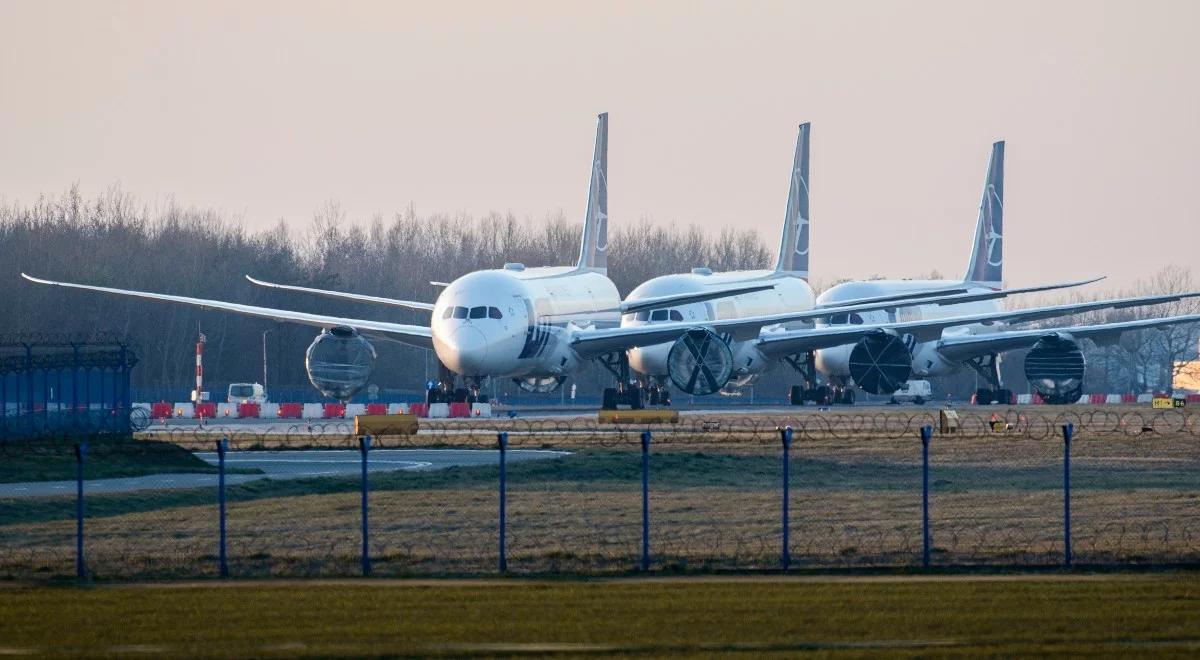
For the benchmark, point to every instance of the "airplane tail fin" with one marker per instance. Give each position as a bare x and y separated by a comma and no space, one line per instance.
593,249
987,252
793,246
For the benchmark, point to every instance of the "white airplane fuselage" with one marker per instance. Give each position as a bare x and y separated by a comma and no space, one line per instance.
515,322
791,294
927,361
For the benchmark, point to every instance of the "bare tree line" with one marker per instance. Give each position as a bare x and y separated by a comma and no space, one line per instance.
114,240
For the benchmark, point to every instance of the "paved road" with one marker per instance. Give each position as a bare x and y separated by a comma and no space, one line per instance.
282,465
343,427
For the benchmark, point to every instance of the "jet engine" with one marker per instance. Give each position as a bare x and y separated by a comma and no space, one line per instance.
699,362
880,363
535,385
1054,367
339,362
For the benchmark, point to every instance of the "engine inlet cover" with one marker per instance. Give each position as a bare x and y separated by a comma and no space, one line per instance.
699,362
1055,368
880,363
339,362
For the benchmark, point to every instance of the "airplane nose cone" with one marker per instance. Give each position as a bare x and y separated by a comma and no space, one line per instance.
468,350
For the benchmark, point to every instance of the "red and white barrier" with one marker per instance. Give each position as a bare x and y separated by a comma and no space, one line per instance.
313,411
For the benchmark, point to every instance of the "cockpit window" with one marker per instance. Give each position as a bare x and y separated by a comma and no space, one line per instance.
837,319
446,314
643,315
479,312
658,315
676,316
494,313
460,312
855,319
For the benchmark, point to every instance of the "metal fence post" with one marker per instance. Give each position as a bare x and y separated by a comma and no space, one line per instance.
785,560
222,555
926,541
1068,430
502,441
645,500
80,456
364,444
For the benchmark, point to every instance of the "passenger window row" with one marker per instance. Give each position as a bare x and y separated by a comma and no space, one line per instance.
480,312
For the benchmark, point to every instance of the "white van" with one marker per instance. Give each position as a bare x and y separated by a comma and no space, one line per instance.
246,393
915,391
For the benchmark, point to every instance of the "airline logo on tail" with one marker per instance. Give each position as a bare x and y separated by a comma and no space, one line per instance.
801,223
995,240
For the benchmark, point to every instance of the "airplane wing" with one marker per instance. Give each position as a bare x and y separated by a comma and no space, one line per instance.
752,324
951,295
968,346
592,342
408,304
414,335
589,343
787,342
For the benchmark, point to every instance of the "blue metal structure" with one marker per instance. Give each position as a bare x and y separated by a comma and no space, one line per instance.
55,384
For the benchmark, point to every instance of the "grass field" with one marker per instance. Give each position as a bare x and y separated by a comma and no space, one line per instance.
54,460
853,504
1113,616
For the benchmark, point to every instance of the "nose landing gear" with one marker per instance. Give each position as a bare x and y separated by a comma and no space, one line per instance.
447,389
822,395
658,393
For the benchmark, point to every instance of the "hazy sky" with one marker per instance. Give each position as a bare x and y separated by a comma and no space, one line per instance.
268,110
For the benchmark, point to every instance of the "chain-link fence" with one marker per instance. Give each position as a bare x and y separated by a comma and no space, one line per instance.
710,493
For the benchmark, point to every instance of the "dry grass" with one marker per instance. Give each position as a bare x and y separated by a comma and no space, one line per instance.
996,499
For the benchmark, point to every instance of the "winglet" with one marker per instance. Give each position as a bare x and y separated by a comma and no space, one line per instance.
36,280
794,244
987,252
593,248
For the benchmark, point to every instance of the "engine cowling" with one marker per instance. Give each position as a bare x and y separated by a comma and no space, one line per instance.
880,363
699,362
339,362
535,385
1054,367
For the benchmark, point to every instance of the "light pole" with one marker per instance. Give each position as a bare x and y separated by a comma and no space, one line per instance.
264,342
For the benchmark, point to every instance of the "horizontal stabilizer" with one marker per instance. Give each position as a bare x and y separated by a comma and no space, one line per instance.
658,302
357,297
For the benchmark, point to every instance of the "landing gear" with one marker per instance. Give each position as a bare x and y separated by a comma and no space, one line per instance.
988,368
627,392
658,394
809,391
445,390
844,395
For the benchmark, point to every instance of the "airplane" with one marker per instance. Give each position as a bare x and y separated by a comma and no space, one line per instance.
881,363
534,325
864,333
791,293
